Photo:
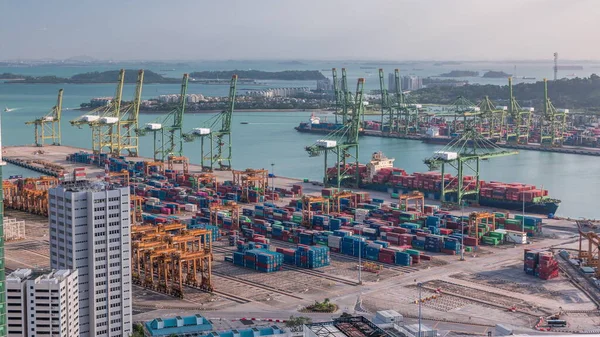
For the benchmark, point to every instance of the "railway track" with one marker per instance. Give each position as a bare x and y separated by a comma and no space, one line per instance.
319,274
579,280
257,285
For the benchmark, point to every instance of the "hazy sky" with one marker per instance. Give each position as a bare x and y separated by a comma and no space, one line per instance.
301,29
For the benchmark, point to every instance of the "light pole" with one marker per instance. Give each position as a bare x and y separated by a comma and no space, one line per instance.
273,181
523,219
419,285
462,231
360,256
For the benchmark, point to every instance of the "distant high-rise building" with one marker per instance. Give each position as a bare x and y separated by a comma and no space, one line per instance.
391,83
325,85
42,304
411,82
408,83
89,231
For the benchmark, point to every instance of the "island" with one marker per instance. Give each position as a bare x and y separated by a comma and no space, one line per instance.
460,73
286,75
574,93
496,74
95,77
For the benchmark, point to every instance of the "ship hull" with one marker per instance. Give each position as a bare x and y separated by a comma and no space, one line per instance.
547,207
544,207
447,140
321,131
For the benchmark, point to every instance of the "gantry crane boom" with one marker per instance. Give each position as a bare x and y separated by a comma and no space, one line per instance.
460,154
491,119
48,127
216,151
126,139
345,97
385,103
343,143
104,132
521,119
553,122
403,107
336,93
102,120
167,130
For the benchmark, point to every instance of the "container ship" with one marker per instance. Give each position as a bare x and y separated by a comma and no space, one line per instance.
316,126
381,175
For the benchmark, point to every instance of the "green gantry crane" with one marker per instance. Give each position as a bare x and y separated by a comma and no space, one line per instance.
492,119
464,154
553,122
343,143
48,127
218,131
407,110
102,120
521,119
167,130
345,97
126,139
386,109
336,93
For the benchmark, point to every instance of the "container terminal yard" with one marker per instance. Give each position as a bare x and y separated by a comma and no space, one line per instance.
209,238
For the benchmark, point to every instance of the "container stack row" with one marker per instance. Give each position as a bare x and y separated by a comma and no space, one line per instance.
540,263
310,257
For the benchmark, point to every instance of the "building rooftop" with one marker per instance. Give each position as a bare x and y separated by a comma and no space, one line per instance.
347,327
40,275
86,186
198,325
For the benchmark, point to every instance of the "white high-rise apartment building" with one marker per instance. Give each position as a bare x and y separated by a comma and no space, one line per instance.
42,304
89,231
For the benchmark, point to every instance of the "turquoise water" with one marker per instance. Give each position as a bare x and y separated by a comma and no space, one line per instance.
270,138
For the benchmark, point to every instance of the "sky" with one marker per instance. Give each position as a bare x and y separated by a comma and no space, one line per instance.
299,29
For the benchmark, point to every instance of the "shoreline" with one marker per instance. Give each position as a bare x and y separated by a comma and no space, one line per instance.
156,112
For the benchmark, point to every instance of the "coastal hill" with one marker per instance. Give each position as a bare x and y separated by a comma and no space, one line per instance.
287,75
110,76
460,73
495,74
564,93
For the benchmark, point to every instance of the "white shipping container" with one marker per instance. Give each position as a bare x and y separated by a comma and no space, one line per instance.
201,131
446,155
519,238
375,245
326,143
153,126
334,241
89,118
297,214
361,211
109,120
370,230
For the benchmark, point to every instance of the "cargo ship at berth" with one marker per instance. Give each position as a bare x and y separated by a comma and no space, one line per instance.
441,140
381,175
315,125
